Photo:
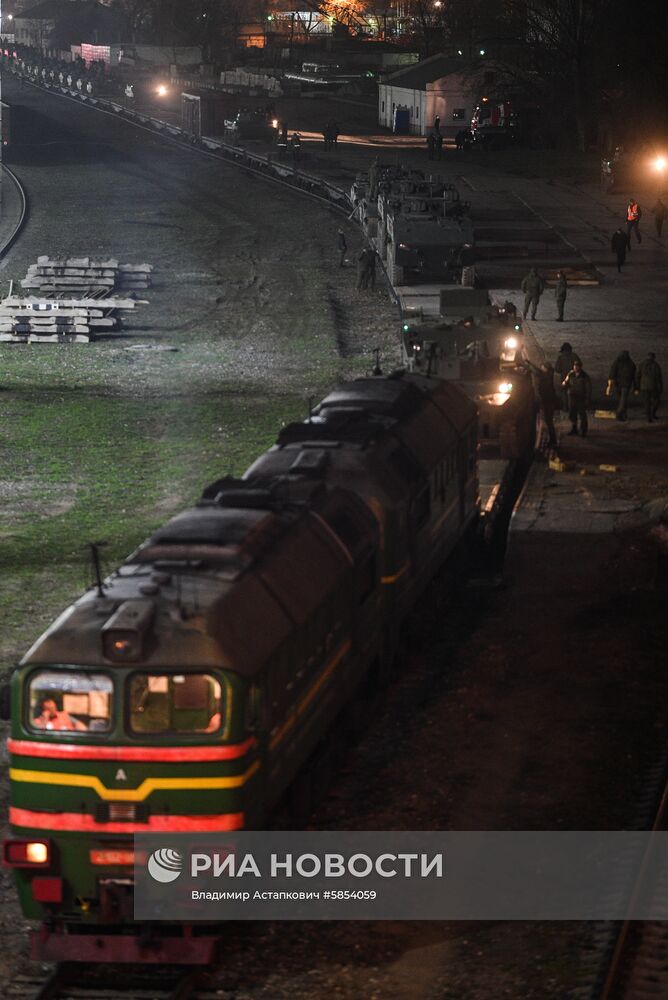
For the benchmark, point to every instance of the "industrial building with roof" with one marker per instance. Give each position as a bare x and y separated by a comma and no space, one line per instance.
435,87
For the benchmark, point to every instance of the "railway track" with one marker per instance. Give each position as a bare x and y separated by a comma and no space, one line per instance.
82,982
637,963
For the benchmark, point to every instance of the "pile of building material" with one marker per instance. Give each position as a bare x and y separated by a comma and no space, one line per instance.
85,276
79,299
60,321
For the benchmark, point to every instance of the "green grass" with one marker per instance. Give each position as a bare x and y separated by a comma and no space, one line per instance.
80,467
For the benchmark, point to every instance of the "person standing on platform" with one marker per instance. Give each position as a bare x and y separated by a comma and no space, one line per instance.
547,397
578,386
560,294
533,287
621,379
619,244
649,382
633,216
562,366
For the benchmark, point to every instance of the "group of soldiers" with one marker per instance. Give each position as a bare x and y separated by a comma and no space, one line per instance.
533,286
366,262
646,379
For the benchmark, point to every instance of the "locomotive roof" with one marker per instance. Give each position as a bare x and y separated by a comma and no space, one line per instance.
216,572
358,412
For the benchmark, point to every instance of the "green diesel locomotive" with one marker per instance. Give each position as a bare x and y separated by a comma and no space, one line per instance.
188,691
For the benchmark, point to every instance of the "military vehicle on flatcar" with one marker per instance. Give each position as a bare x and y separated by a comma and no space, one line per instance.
189,690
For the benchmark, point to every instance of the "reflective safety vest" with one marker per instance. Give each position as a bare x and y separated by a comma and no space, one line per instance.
633,213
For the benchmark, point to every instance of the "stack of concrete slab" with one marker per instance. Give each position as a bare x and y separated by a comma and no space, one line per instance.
61,321
85,276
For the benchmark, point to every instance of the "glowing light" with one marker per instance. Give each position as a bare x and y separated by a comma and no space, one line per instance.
482,52
161,90
660,163
274,122
511,343
506,388
517,326
37,853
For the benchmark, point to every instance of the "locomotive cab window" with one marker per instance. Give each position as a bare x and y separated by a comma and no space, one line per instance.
175,703
68,701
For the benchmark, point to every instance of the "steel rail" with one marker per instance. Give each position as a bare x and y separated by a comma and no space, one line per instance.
23,217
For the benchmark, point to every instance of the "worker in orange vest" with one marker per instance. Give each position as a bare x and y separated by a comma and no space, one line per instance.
633,216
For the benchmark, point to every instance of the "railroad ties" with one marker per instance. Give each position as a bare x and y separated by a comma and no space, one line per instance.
78,299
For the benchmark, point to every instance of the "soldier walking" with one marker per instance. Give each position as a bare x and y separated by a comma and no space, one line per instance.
619,244
578,386
649,382
560,294
533,287
621,379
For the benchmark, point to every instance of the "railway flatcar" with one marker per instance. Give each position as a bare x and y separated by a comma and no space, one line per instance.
190,689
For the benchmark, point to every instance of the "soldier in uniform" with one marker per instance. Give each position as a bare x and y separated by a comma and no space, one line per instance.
560,294
578,386
362,269
547,397
564,363
533,287
621,378
649,381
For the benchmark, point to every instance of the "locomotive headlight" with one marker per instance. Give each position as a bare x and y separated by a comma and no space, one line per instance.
37,853
511,343
27,853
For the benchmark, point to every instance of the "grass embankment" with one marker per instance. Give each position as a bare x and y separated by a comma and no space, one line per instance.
84,460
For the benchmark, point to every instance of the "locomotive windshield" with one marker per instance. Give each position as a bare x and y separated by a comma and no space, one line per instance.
175,703
70,701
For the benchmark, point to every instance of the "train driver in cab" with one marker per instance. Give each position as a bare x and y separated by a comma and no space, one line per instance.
52,718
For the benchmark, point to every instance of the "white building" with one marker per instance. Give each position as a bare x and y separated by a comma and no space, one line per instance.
435,87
